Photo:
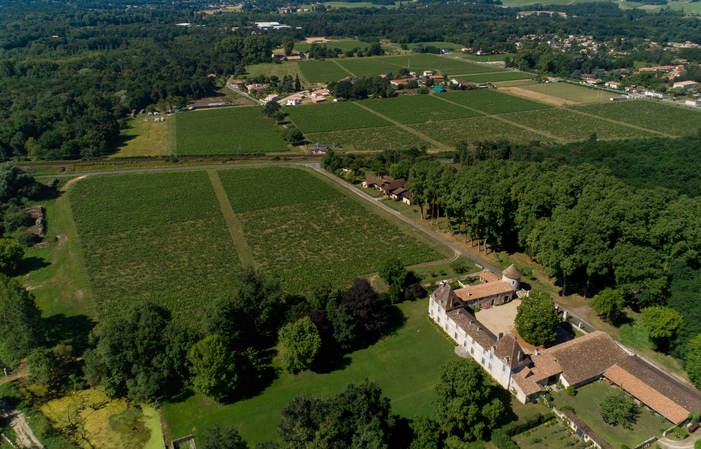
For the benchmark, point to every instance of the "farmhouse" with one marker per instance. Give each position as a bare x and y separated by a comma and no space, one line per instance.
317,100
428,73
668,397
375,181
686,84
612,84
271,97
390,187
319,148
406,197
294,100
458,82
693,102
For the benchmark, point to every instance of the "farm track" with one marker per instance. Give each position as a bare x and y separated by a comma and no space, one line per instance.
232,222
501,119
344,69
639,128
406,128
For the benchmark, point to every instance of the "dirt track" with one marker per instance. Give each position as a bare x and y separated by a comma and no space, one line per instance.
18,423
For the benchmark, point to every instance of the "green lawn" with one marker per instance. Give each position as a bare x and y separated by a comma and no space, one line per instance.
408,109
239,130
315,118
404,364
650,114
586,407
490,101
555,436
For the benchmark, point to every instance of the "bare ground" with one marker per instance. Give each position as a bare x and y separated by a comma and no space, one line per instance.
538,96
18,423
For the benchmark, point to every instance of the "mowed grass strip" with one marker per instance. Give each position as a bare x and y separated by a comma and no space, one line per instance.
408,109
317,118
571,126
158,237
446,65
497,77
490,101
242,130
310,233
450,132
668,119
321,71
368,139
405,365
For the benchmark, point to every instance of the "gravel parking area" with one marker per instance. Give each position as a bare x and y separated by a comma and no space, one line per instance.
499,318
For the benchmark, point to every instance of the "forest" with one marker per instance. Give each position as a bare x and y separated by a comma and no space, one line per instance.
72,76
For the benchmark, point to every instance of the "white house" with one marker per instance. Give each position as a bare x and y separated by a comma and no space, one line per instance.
271,97
428,73
612,85
693,102
652,94
686,84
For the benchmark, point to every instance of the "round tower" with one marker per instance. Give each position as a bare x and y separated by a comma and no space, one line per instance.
512,276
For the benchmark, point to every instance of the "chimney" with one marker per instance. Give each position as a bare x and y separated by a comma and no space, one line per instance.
537,352
479,328
472,322
501,334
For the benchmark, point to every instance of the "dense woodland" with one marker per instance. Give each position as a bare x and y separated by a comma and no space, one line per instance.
72,75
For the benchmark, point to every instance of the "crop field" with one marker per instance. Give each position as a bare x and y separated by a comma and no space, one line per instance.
450,132
571,126
156,237
668,119
333,117
270,68
409,381
343,44
227,131
571,92
321,71
492,102
408,109
498,77
372,66
444,64
309,233
367,139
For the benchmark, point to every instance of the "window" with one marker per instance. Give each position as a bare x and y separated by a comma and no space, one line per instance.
489,367
464,344
491,356
431,312
456,335
472,351
482,360
439,319
503,368
446,326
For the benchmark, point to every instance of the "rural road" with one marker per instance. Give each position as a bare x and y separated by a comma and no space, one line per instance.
316,166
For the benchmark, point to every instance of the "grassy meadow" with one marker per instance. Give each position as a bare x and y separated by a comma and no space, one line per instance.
239,130
408,380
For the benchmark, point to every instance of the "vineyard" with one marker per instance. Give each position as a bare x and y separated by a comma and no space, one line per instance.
492,102
241,130
652,115
367,139
333,117
321,71
450,132
154,237
309,233
408,109
497,77
571,126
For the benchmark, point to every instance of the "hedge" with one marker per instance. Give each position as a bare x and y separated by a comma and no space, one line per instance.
526,423
502,441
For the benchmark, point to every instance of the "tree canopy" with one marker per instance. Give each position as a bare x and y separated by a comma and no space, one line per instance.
609,304
619,409
20,322
213,368
536,319
302,342
662,324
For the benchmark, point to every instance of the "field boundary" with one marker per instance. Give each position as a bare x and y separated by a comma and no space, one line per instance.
171,137
232,222
501,119
344,69
405,127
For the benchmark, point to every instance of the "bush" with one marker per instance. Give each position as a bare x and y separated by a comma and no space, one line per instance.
697,445
624,446
523,424
459,266
17,220
570,390
28,239
680,433
502,441
414,291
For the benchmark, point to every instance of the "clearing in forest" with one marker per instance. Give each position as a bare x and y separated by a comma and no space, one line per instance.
159,237
236,130
308,232
145,137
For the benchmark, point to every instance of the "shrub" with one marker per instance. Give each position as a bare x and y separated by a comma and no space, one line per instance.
697,445
459,266
28,239
502,441
570,391
680,433
17,220
414,291
523,424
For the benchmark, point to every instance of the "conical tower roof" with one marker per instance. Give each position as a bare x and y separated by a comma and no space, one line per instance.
512,272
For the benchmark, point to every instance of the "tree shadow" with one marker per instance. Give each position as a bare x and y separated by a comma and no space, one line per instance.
30,264
71,330
395,321
255,376
507,399
331,359
402,434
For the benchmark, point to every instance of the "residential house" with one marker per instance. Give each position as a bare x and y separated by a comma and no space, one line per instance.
294,100
406,197
319,148
317,100
390,186
693,102
375,181
399,82
458,82
428,73
271,97
436,77
401,194
612,84
653,94
320,93
686,84
656,390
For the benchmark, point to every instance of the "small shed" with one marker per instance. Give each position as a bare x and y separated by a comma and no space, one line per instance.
438,89
319,148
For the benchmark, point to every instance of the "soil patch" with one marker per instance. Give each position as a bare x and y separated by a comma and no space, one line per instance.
548,99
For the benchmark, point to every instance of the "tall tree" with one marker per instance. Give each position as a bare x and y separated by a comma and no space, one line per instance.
618,408
213,368
609,304
302,342
663,325
536,319
216,437
20,322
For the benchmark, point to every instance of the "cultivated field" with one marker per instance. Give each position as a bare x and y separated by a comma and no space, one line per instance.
571,93
333,117
408,380
408,109
492,102
155,237
366,139
650,114
498,77
321,71
450,132
570,126
241,130
310,233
